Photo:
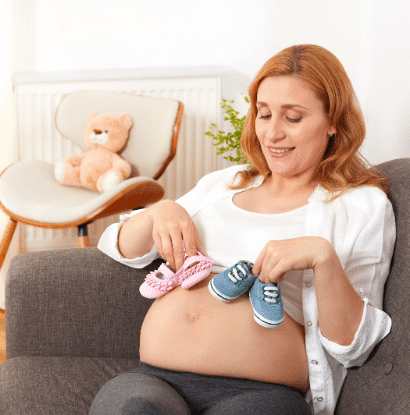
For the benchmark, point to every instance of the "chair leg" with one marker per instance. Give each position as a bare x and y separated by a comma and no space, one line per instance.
83,240
6,239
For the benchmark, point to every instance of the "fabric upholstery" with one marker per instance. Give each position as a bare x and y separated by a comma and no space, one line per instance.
55,385
150,140
40,198
74,302
78,305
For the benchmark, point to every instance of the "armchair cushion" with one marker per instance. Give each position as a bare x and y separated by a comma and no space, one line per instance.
76,302
40,198
55,385
73,322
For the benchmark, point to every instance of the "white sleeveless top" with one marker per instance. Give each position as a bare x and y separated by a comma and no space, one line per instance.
226,243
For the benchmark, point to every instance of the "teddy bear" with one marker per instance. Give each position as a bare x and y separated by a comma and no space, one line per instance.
100,168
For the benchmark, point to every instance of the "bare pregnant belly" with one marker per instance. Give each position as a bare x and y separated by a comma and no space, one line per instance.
189,330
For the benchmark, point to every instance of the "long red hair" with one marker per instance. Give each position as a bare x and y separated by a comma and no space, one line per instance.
342,165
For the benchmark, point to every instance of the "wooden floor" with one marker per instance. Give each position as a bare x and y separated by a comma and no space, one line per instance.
2,336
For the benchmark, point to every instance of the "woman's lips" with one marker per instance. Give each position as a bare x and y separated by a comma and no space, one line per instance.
280,152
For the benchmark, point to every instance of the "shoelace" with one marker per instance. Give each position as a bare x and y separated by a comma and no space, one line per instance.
236,277
270,293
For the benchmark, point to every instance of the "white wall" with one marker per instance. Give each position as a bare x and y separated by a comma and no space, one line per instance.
370,37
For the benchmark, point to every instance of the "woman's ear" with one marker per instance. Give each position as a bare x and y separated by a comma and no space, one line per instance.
331,132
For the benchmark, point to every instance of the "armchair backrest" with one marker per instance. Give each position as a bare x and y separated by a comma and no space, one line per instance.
153,136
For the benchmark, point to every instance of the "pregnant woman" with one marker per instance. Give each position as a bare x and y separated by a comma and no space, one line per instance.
308,214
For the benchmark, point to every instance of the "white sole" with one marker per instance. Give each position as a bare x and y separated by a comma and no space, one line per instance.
269,324
217,294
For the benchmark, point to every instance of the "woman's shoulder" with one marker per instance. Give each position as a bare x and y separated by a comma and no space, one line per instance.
212,187
363,211
365,199
365,196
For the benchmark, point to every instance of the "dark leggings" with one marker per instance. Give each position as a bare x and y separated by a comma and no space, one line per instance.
150,390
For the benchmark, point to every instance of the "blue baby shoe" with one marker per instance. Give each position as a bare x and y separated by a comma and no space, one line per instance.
233,282
267,304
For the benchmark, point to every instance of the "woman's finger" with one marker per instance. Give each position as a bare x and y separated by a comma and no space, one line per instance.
191,240
174,233
167,251
158,244
177,248
267,265
257,266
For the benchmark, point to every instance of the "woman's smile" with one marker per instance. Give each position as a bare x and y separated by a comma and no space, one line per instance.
280,152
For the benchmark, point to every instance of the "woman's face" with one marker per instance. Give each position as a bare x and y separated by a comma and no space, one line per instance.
291,126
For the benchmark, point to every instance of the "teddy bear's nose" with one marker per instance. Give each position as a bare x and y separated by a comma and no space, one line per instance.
97,131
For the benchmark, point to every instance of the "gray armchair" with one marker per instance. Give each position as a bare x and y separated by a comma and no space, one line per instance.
73,319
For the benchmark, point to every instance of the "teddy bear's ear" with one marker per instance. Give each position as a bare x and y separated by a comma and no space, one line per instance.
91,116
126,120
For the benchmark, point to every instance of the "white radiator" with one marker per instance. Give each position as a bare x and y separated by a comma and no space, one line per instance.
37,97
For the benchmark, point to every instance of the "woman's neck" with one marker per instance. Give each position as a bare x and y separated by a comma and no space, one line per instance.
289,187
273,197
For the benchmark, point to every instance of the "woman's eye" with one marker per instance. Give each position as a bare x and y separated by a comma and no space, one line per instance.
263,114
294,120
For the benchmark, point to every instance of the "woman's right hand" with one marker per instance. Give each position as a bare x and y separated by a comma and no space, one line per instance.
173,232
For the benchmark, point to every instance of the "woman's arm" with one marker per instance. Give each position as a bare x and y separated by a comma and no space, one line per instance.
127,241
340,308
165,224
135,236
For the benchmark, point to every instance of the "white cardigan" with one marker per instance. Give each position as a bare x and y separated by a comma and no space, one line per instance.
361,227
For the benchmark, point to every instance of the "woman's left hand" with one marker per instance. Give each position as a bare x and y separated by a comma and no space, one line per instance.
279,257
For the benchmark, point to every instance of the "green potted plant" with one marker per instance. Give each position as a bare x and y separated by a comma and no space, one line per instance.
230,141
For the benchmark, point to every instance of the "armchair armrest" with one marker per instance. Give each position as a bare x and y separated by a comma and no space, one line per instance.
74,302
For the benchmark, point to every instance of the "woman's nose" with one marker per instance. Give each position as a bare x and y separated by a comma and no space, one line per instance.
275,130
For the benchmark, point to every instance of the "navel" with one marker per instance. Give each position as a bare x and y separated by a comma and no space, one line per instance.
194,316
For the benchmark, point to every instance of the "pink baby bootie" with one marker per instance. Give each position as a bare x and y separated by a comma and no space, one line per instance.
160,281
195,269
